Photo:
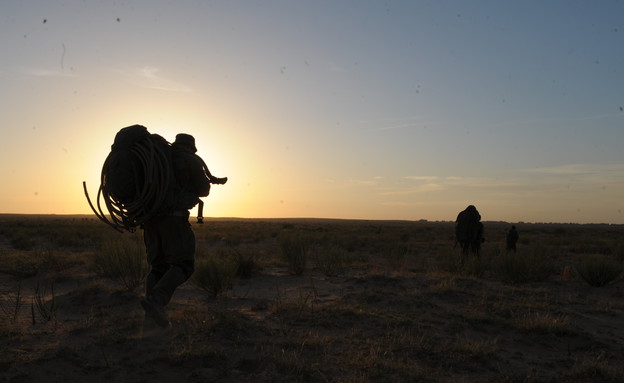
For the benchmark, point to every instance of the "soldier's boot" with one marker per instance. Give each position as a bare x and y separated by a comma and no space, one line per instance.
155,311
160,294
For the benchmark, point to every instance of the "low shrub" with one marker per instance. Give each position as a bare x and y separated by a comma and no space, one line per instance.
449,260
395,255
56,261
598,270
122,260
552,323
246,265
22,241
453,261
517,267
475,266
215,273
44,302
22,264
294,251
331,259
28,263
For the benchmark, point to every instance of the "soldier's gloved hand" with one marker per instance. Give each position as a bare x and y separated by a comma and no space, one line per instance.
219,181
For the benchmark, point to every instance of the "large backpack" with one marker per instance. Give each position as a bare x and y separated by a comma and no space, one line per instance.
467,225
137,181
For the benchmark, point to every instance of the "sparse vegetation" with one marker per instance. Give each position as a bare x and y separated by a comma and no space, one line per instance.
331,259
533,266
216,272
558,324
294,250
375,301
246,264
598,270
11,305
122,260
44,302
396,254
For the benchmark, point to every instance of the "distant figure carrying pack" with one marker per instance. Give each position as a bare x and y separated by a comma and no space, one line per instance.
469,230
512,239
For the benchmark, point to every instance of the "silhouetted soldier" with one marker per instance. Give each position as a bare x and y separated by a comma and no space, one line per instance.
169,239
469,230
512,239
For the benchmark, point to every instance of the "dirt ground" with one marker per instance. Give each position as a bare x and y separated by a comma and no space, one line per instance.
369,323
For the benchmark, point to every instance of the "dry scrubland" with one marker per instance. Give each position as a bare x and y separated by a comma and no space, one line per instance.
314,300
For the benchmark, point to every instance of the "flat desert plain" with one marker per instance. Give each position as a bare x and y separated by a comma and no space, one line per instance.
314,300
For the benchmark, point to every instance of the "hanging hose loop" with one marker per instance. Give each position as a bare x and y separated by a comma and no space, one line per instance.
145,188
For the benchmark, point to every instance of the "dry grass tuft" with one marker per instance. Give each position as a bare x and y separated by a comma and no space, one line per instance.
215,272
598,270
122,260
551,323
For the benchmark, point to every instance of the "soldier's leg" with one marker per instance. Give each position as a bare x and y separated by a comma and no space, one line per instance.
178,246
156,273
155,254
179,273
153,232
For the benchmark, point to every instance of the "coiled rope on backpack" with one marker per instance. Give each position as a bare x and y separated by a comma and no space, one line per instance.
152,180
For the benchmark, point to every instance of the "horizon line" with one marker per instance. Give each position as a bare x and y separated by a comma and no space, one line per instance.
422,220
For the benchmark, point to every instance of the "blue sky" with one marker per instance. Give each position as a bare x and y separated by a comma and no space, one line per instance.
350,109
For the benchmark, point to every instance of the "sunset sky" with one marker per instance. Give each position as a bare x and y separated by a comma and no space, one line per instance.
331,109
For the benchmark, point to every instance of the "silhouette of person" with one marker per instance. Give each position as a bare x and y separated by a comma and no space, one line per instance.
512,238
169,239
469,230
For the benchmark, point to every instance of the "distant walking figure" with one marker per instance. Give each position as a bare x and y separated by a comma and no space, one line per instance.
469,230
512,238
